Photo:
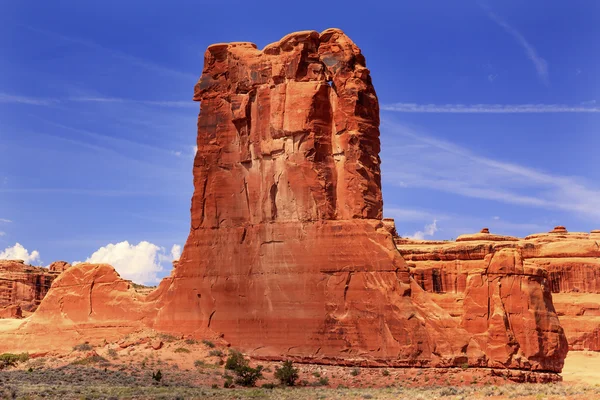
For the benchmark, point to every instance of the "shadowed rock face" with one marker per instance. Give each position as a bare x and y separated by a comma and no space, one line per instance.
288,256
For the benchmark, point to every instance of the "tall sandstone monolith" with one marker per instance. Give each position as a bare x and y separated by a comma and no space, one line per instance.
288,255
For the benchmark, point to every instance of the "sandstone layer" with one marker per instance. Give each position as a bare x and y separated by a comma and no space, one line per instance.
565,264
23,285
288,255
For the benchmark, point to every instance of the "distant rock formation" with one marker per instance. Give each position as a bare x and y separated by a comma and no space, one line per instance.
565,264
23,285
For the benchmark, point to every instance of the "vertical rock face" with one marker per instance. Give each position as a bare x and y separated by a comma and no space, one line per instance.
23,285
288,255
565,266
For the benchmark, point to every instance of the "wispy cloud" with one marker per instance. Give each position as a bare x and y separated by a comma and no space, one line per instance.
429,230
175,104
6,221
541,66
33,101
458,224
447,167
490,108
146,64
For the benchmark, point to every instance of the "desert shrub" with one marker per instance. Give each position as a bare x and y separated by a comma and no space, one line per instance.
10,360
247,376
215,386
191,341
235,360
113,353
465,366
199,364
165,337
287,374
208,343
157,376
83,347
216,353
385,372
182,350
228,381
355,372
323,381
316,374
268,386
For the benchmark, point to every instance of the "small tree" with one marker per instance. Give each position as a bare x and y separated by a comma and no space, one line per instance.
287,374
157,376
235,360
247,376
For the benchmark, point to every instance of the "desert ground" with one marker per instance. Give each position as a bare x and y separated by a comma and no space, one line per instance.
196,369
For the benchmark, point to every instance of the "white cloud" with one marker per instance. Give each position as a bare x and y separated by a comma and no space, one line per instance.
176,252
430,230
490,108
140,263
496,218
2,233
6,221
541,66
447,167
18,252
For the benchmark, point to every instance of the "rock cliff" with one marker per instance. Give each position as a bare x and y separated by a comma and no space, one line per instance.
565,264
23,285
288,255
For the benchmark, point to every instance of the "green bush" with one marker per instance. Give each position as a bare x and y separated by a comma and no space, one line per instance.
191,341
208,343
287,374
199,364
10,360
113,353
182,350
235,360
323,381
385,372
216,353
355,372
247,376
83,347
268,386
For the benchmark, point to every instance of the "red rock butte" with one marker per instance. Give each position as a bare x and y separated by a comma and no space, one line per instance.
288,255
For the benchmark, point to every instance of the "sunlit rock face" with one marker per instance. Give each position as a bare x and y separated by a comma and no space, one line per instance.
23,285
288,255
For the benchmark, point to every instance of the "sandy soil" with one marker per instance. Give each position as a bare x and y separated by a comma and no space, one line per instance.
582,367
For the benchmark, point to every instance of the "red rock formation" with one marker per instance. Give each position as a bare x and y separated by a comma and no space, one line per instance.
87,303
288,255
13,311
567,264
23,285
59,266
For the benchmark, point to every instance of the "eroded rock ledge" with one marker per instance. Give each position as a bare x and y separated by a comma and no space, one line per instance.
564,263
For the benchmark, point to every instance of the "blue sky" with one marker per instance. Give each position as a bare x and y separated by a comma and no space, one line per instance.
489,116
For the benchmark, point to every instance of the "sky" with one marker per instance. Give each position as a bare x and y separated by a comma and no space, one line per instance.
489,117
